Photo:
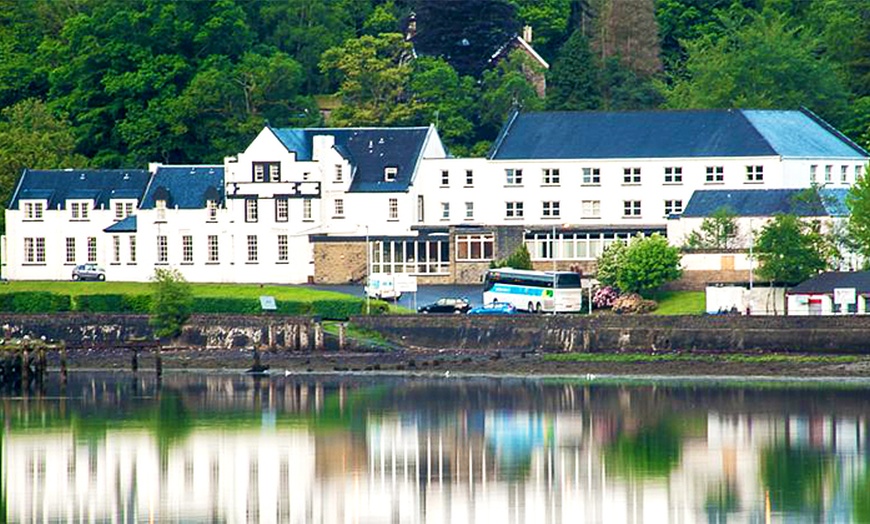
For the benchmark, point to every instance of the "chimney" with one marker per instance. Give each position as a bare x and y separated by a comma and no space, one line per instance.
527,34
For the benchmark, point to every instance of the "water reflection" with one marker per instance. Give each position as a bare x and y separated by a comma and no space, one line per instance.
233,448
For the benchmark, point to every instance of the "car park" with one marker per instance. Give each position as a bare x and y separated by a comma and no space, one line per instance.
494,308
446,305
88,272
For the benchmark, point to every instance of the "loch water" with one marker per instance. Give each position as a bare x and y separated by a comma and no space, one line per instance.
228,447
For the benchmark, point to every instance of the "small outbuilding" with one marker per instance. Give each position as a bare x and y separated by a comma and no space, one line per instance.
831,293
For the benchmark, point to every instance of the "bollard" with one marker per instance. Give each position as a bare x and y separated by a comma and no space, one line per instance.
342,336
303,338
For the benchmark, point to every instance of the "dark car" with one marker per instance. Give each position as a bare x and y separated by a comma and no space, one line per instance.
495,308
446,305
88,272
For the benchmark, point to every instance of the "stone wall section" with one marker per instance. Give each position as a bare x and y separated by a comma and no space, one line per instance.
339,262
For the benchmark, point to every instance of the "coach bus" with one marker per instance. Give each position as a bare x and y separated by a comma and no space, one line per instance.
534,291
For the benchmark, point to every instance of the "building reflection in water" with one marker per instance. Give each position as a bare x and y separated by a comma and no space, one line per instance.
235,449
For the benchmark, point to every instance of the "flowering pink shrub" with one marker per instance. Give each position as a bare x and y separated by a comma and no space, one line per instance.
604,297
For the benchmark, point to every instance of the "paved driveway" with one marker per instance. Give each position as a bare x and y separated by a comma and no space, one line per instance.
424,295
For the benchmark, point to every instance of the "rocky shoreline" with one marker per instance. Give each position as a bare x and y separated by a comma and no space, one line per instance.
465,362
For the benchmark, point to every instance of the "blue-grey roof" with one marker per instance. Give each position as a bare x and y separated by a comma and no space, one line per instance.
98,185
825,283
126,225
368,150
565,135
767,202
185,187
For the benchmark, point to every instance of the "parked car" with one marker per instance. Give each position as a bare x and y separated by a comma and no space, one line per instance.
88,272
494,308
446,305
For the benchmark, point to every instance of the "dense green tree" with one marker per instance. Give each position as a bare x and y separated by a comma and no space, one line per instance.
32,137
790,251
649,262
573,80
505,88
442,97
640,266
622,89
858,202
466,33
760,61
549,22
717,231
519,259
382,20
375,73
171,303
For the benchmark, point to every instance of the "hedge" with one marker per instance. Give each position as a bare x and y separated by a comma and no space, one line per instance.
34,302
46,302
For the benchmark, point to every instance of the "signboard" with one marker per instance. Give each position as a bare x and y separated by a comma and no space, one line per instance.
845,296
267,303
405,283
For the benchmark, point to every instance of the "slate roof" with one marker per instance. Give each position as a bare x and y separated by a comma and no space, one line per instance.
126,225
185,187
564,135
767,202
368,150
824,283
98,185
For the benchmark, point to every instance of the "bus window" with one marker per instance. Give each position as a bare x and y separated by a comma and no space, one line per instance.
568,280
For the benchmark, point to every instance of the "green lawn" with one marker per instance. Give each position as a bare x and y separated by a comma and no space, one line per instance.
199,290
680,303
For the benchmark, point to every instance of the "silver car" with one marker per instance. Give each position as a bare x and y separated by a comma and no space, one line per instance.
88,272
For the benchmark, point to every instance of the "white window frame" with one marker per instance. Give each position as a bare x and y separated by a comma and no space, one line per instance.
339,174
591,176
70,247
829,173
253,250
187,249
469,211
252,210
116,249
844,174
132,246
551,209
162,249
514,210
390,173
282,209
673,175
475,247
673,207
591,209
445,210
34,211
34,250
212,208
550,176
513,177
306,209
631,176
754,174
213,245
92,250
631,208
715,175
338,208
283,248
814,170
469,178
445,178
393,209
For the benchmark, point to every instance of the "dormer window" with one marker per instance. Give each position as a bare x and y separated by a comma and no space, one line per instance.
123,210
79,210
212,208
339,175
33,210
266,171
160,206
390,174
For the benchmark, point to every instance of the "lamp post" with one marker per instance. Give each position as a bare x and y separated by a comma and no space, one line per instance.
368,271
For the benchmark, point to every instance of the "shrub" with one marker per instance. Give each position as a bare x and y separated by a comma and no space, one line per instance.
35,302
101,304
172,302
604,297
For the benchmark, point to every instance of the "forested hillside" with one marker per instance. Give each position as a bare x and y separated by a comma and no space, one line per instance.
107,83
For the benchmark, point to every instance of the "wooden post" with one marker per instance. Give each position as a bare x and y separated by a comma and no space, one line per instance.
63,370
41,364
342,336
158,361
134,364
25,367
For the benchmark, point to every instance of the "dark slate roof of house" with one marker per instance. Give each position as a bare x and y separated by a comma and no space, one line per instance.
99,185
564,135
126,225
368,150
185,187
825,283
767,202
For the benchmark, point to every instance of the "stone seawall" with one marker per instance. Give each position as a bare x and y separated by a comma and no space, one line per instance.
563,333
202,331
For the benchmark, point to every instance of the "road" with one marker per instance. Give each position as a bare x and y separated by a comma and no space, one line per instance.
424,295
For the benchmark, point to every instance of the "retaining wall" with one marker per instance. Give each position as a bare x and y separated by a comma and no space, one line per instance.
202,331
562,333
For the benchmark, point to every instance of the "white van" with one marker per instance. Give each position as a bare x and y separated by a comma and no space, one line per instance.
382,286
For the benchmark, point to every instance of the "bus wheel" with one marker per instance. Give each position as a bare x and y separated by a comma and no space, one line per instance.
531,308
538,308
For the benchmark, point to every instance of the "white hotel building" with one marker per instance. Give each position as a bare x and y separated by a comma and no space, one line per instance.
301,205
